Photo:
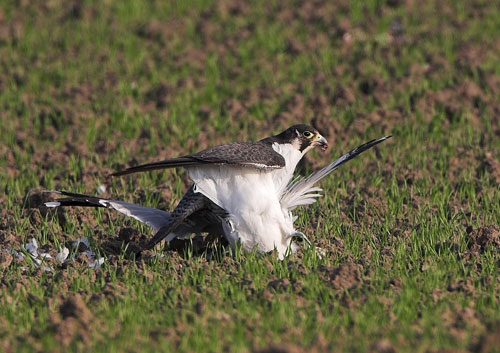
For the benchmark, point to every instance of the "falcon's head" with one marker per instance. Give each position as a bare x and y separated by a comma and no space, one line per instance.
302,137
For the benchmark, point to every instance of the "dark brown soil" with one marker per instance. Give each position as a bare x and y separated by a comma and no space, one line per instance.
5,259
487,342
72,321
282,348
342,277
482,238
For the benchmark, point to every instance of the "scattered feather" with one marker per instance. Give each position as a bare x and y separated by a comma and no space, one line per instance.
97,263
62,255
101,189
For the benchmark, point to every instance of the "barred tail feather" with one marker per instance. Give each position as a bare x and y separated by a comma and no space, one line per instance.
152,217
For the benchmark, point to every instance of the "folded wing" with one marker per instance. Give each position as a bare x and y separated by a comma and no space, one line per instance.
259,155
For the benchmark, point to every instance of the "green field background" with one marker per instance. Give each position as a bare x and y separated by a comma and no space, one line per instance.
409,231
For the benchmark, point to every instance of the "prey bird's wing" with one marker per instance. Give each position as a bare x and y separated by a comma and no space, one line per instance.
302,190
190,203
259,155
152,217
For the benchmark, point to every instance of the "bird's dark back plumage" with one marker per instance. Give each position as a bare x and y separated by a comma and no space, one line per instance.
260,154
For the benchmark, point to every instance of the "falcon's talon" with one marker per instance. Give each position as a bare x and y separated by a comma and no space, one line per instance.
301,236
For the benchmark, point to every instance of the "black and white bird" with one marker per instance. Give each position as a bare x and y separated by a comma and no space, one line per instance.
244,191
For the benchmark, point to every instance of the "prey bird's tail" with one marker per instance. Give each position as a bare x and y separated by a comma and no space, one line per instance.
152,217
302,191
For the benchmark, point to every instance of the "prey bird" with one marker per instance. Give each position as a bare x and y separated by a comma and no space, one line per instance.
243,191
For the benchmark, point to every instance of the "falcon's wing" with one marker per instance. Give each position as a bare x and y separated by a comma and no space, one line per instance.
150,216
302,190
259,155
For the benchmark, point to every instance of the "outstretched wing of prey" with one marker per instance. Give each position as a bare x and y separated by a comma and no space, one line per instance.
150,216
302,190
206,221
258,155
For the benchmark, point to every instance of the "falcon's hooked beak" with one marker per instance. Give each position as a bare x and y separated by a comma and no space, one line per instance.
321,141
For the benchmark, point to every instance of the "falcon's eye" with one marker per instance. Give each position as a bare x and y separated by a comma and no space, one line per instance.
307,134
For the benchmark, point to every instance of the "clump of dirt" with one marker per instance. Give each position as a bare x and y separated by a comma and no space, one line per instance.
492,166
115,290
342,277
464,285
74,306
82,258
159,95
161,31
487,342
363,207
128,234
281,284
318,345
5,259
462,321
73,320
282,348
333,246
383,346
129,239
198,245
482,238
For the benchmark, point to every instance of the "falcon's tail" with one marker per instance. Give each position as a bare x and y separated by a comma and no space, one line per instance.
150,216
302,191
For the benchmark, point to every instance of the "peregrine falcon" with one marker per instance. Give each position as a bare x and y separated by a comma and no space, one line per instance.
243,191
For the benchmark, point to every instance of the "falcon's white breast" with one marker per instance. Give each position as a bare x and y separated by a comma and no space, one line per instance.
252,199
